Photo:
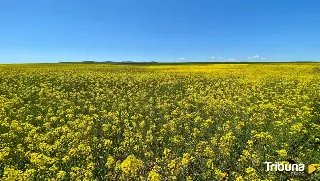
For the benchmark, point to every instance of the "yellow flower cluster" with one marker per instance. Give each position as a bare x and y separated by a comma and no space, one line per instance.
157,122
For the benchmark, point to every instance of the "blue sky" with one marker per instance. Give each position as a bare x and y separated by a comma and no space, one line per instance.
162,30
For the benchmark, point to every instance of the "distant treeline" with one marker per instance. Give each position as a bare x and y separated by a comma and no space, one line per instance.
182,63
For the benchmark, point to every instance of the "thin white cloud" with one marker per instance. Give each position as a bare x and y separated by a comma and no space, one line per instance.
254,57
212,57
231,59
220,58
181,58
257,57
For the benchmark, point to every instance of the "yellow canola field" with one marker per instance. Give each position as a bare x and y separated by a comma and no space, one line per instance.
158,122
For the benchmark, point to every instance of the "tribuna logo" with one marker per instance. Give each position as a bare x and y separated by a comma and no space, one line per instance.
277,166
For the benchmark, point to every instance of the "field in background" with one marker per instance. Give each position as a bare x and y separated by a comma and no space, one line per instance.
157,122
